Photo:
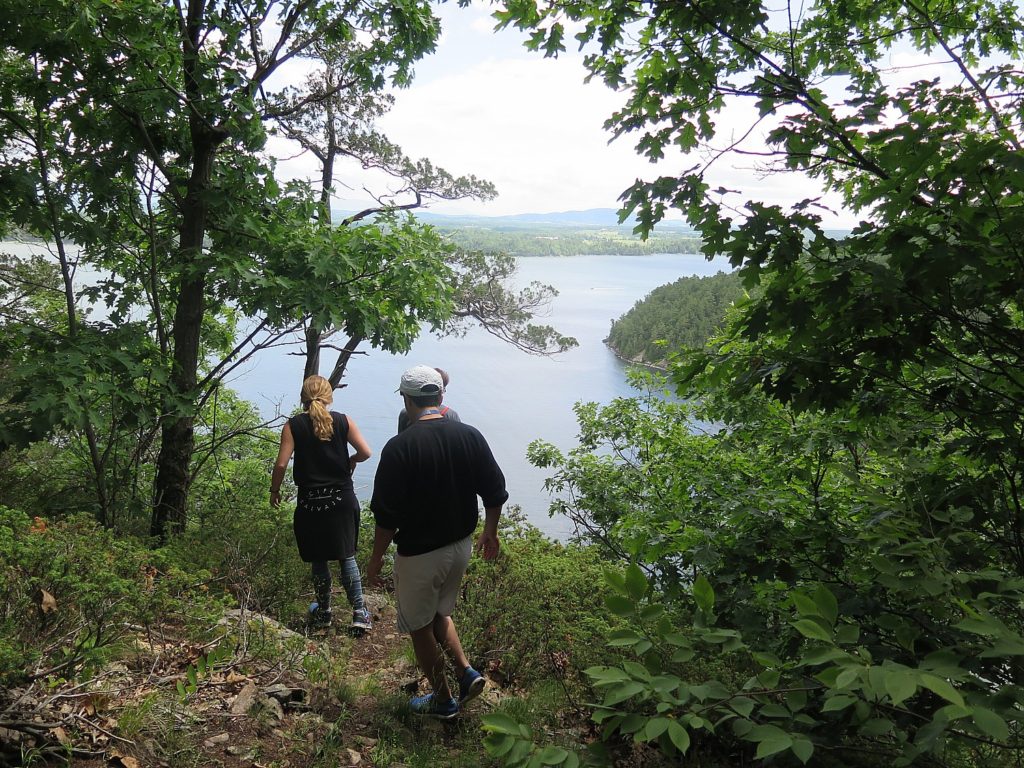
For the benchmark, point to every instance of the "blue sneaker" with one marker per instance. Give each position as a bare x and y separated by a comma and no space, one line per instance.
361,622
471,685
319,619
428,707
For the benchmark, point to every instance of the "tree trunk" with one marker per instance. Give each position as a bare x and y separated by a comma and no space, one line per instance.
98,462
177,436
343,357
312,352
314,334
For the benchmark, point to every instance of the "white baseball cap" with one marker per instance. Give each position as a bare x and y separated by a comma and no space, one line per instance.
421,381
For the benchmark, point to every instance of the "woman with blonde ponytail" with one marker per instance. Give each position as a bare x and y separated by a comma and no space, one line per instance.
327,511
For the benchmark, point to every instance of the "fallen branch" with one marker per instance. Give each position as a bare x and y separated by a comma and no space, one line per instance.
103,731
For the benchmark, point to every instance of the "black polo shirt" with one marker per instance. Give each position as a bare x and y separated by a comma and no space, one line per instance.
428,481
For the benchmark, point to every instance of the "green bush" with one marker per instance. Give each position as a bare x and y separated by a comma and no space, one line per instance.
250,550
538,610
71,590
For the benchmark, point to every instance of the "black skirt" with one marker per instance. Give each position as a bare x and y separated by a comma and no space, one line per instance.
326,523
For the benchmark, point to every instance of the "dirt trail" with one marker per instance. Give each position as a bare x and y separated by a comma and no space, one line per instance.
326,698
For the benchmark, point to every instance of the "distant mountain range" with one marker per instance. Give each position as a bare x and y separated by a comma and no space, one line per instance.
591,217
602,218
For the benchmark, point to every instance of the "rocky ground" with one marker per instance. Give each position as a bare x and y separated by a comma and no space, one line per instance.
258,695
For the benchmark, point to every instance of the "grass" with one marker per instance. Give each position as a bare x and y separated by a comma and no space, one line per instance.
403,737
133,719
160,719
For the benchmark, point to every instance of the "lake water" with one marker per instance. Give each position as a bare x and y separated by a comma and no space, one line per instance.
511,397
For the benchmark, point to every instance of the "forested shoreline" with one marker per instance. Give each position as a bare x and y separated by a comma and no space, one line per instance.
569,241
683,314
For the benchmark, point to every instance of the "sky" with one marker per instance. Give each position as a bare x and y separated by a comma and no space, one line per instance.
484,105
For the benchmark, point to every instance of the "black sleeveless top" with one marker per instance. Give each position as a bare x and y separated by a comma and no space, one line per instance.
320,463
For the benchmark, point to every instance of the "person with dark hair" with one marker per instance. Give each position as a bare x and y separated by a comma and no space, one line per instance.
446,412
326,521
425,500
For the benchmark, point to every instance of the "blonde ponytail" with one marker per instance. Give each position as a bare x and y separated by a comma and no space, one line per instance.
317,394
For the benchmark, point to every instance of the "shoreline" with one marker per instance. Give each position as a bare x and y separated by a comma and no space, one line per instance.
661,368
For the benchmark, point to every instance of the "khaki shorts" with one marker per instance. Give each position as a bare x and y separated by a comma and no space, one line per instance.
426,585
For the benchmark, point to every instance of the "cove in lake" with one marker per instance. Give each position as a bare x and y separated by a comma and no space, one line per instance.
511,397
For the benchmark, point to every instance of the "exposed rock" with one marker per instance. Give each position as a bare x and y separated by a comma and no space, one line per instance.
354,758
245,753
220,738
274,707
243,702
285,693
236,615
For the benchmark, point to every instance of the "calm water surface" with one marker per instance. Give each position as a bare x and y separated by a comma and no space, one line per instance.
511,397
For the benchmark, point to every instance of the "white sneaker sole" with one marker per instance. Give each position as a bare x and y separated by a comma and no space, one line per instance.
475,689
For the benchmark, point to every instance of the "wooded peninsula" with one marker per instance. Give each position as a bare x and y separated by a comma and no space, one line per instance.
677,316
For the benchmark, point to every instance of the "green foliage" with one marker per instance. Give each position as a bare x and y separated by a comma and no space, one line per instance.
378,281
861,562
482,296
55,478
71,589
136,155
135,717
91,384
832,687
923,298
536,612
683,314
160,719
833,682
637,483
234,533
179,216
195,673
513,743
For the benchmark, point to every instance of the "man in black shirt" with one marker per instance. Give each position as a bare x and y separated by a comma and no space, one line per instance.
425,499
448,413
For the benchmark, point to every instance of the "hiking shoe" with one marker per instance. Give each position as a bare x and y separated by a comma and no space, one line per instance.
429,707
319,619
471,685
361,623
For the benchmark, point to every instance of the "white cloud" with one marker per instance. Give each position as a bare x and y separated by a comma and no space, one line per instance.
482,105
528,125
482,24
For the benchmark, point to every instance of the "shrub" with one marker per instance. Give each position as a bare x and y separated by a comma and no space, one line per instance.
537,610
71,590
250,550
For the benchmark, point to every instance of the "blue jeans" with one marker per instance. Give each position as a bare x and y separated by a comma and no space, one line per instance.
350,580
